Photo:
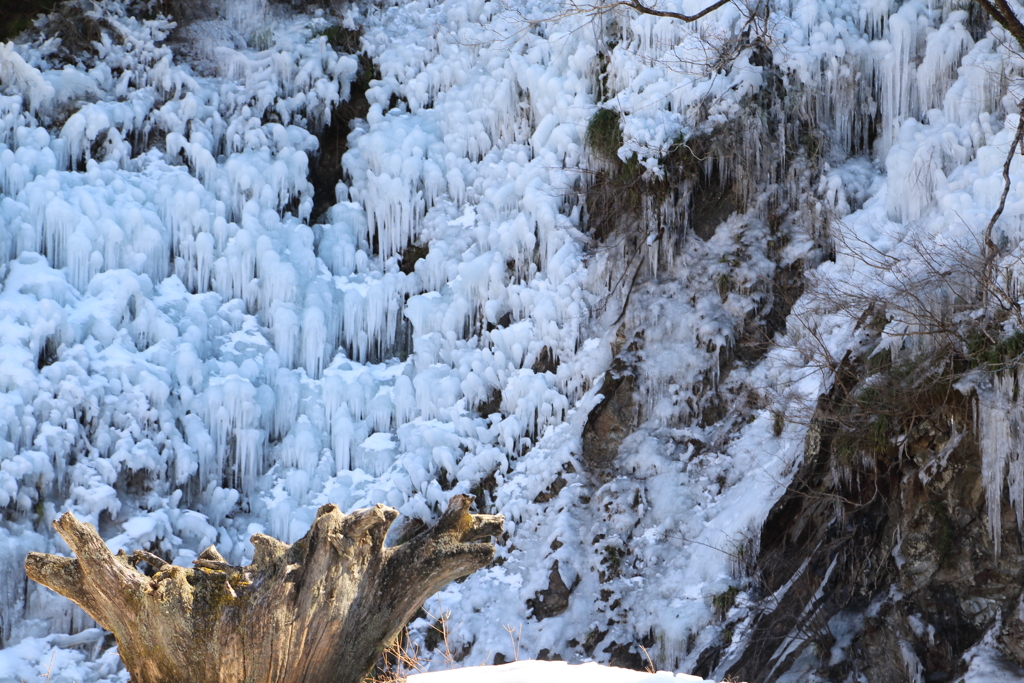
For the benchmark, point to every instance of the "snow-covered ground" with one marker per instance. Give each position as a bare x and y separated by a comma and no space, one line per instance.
185,360
531,671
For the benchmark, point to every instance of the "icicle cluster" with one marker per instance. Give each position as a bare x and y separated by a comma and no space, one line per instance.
185,360
1000,427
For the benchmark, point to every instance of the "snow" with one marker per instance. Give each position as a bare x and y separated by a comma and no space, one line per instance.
185,359
986,663
530,671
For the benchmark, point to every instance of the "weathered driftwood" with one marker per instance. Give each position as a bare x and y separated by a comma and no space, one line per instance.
321,610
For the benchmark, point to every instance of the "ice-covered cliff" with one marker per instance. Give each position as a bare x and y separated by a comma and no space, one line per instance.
593,266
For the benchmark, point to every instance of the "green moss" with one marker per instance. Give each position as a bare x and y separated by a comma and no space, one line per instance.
261,40
604,134
14,25
878,436
864,433
368,71
723,284
79,28
727,637
626,189
891,402
1002,353
724,601
344,40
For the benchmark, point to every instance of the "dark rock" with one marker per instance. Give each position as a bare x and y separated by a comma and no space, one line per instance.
411,256
546,656
610,422
325,167
546,361
710,209
553,490
492,404
707,661
625,656
906,561
593,639
554,599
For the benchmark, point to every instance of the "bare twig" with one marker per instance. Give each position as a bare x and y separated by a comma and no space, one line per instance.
689,19
649,666
515,638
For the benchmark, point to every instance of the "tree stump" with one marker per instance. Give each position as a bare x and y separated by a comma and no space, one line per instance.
319,611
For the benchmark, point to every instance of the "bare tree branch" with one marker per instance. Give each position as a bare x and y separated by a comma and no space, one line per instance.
1001,12
688,18
991,248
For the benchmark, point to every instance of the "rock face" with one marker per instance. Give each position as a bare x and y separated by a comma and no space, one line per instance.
886,568
554,599
610,422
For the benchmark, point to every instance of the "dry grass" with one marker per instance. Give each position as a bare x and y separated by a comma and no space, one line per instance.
49,669
79,26
403,659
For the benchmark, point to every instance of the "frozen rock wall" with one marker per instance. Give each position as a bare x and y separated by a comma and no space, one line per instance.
185,358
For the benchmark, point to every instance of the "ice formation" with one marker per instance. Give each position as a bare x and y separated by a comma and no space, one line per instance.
185,359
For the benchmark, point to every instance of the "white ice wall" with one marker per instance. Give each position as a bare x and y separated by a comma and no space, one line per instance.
185,360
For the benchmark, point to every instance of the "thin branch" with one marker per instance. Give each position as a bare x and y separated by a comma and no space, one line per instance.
991,249
688,18
1005,16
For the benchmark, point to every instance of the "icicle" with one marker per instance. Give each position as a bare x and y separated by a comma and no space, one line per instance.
352,324
944,49
381,410
314,341
204,245
393,210
337,250
266,401
404,396
15,71
342,435
979,85
375,305
241,262
362,392
286,333
200,441
375,454
1000,429
60,219
288,393
233,415
301,448
897,73
249,447
79,249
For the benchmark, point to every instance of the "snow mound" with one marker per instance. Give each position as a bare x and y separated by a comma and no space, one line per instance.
532,671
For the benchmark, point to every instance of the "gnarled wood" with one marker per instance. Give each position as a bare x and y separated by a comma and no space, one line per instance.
321,610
